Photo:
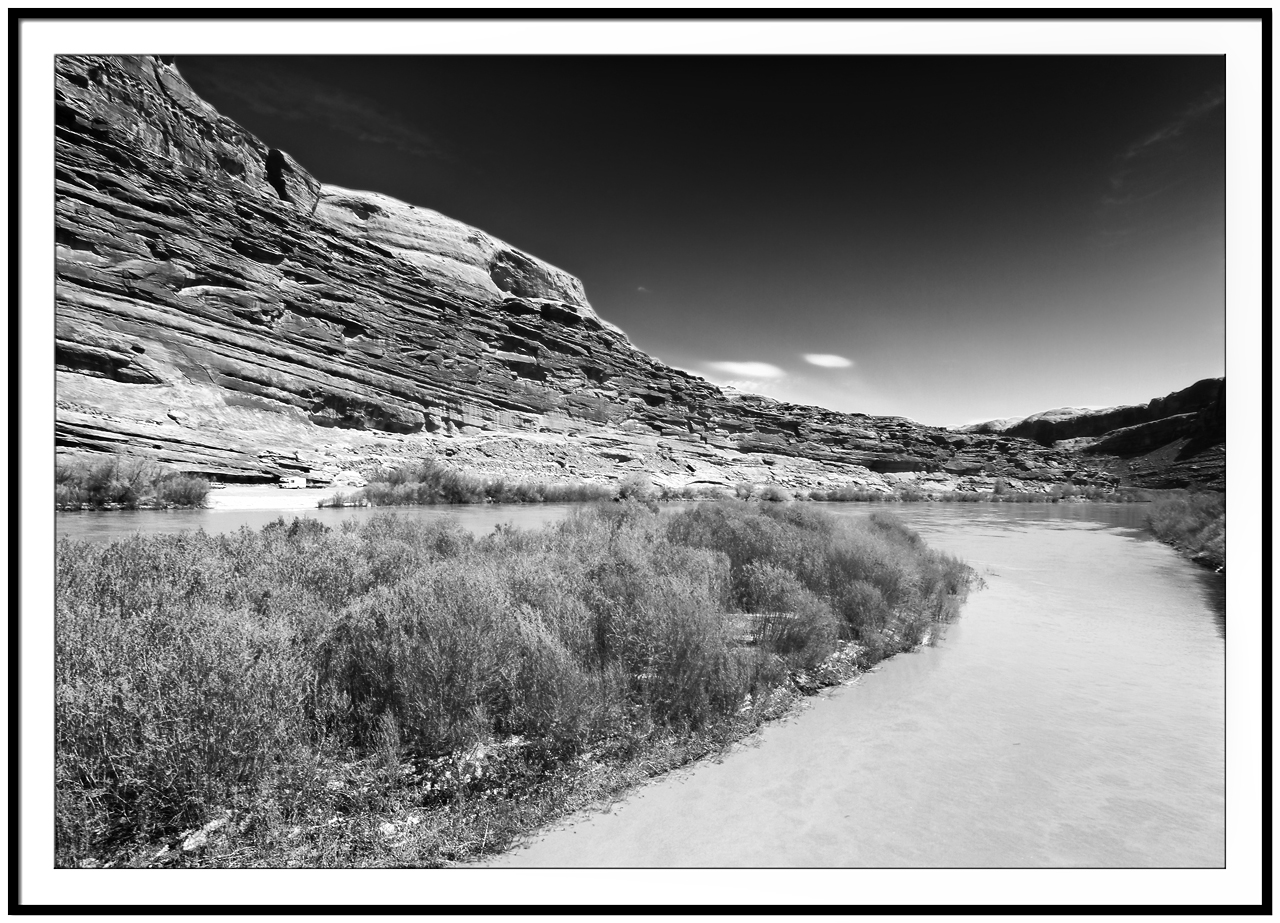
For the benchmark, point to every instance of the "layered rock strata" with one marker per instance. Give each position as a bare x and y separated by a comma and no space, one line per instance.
221,311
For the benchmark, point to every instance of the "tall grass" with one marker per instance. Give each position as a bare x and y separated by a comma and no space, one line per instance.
1194,522
125,483
202,674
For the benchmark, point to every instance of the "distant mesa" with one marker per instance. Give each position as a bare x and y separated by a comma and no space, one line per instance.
1178,437
223,312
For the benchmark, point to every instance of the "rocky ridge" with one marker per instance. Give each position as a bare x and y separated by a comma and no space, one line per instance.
221,311
1169,441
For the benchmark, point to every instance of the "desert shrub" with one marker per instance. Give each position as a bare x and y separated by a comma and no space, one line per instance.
194,672
500,491
636,487
70,495
120,480
550,695
1193,521
806,519
790,620
895,530
428,650
168,704
126,482
862,604
341,499
740,532
875,574
574,493
180,490
430,482
851,493
427,482
659,611
428,539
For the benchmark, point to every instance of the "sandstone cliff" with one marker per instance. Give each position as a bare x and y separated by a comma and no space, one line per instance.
220,310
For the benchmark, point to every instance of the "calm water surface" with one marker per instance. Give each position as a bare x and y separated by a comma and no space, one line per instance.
1073,716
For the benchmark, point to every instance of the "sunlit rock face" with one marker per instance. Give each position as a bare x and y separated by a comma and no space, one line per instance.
221,311
453,255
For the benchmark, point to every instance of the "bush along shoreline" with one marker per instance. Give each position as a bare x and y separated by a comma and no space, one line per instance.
1194,522
121,483
432,482
396,693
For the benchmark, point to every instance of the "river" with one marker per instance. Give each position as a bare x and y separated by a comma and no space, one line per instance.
234,507
1072,717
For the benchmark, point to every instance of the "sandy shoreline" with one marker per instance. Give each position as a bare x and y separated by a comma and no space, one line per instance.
268,497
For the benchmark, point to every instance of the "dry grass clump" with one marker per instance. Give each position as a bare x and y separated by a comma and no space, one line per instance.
267,691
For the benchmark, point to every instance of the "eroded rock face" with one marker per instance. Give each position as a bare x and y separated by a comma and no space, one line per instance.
222,311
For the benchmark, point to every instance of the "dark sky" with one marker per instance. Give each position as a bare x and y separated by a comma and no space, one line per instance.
947,238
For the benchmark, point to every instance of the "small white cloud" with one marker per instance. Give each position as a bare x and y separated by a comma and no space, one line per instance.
747,369
827,360
641,288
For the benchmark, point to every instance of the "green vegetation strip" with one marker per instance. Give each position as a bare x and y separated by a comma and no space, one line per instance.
397,693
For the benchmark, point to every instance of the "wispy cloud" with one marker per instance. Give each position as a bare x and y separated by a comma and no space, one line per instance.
750,370
295,97
828,360
1198,109
1164,178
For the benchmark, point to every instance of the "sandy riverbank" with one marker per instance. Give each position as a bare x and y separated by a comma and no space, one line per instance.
269,497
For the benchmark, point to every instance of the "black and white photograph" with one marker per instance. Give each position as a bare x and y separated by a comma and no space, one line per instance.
751,447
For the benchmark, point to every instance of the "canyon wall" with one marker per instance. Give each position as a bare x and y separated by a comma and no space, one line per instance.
221,311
